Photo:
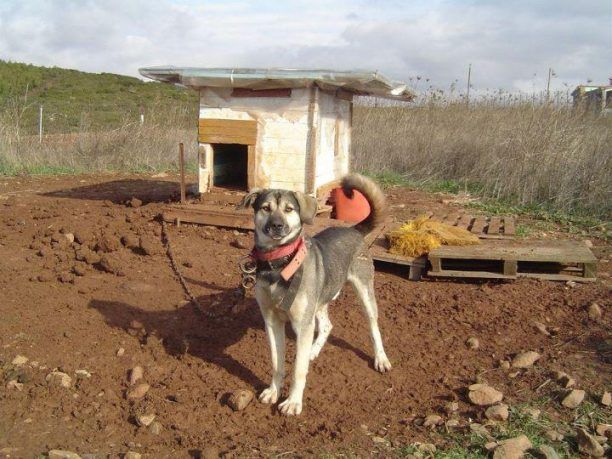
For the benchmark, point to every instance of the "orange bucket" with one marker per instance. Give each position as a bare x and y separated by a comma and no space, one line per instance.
353,209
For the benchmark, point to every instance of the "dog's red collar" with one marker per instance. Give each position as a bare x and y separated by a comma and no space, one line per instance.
296,249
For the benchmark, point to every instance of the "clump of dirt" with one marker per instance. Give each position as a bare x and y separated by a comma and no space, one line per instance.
100,306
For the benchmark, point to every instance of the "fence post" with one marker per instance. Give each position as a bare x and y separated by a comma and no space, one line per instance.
182,170
40,124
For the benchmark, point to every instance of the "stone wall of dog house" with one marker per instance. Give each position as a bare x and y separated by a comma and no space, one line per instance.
334,138
282,132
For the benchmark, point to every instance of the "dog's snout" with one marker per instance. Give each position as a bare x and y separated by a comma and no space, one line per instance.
277,225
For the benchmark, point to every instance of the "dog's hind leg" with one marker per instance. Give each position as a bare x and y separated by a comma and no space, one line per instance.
325,326
275,329
361,277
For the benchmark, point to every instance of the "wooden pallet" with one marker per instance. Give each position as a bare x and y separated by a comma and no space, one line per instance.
496,227
551,260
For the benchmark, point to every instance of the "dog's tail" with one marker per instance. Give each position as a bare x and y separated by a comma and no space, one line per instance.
373,194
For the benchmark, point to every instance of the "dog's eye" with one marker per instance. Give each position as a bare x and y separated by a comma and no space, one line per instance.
266,207
288,209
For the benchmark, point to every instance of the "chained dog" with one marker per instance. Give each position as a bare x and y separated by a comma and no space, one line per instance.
298,276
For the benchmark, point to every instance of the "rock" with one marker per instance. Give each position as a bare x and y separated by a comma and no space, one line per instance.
481,430
452,423
588,444
594,311
136,325
504,364
88,256
83,374
472,343
497,412
61,454
59,378
156,428
132,455
491,445
605,430
547,452
79,270
14,384
451,407
45,277
571,284
533,413
69,237
564,379
239,244
240,399
210,452
483,395
376,439
111,264
525,359
135,203
138,391
539,326
573,399
136,374
145,419
513,448
150,246
108,243
553,435
432,420
130,241
427,448
606,399
19,360
66,278
120,352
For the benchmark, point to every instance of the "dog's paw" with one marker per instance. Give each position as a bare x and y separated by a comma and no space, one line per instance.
314,351
269,396
290,408
381,363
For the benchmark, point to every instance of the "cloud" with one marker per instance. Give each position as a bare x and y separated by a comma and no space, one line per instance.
510,44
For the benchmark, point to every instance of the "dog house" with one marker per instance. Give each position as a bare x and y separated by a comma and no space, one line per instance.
275,128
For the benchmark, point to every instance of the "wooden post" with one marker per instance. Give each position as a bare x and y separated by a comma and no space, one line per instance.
467,93
182,168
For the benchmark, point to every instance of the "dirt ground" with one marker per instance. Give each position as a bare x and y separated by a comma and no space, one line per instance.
69,306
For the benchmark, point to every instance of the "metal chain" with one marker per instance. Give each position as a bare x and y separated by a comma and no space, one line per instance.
177,271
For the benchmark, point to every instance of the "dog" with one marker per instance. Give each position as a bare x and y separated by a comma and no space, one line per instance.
297,277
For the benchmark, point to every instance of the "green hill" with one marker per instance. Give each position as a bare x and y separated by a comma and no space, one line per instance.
74,100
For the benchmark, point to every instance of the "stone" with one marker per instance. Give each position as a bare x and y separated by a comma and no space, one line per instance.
111,264
573,399
539,326
145,419
59,378
83,374
240,399
606,399
136,374
553,435
432,420
525,359
472,343
595,311
377,439
497,412
504,364
132,455
427,448
135,202
14,384
239,244
130,241
484,395
564,379
491,445
62,454
605,430
533,413
138,391
547,452
45,277
451,407
69,237
19,360
512,448
120,352
156,428
587,444
108,243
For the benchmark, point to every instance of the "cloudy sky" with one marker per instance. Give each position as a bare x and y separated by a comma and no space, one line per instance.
510,43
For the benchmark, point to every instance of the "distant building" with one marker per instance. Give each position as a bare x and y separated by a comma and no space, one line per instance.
594,97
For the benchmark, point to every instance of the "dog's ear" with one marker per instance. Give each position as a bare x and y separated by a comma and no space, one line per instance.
249,199
308,207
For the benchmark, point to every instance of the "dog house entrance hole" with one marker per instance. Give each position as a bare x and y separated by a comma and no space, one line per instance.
230,164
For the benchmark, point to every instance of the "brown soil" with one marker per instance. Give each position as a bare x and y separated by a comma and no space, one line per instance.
66,314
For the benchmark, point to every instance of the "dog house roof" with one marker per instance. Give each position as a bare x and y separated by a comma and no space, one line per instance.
365,83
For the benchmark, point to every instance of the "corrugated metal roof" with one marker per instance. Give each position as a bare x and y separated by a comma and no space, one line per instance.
358,82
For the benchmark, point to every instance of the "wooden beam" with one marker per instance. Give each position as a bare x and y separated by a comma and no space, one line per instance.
242,132
182,170
245,92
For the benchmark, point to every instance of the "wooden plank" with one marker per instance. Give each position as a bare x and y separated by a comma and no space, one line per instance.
251,167
465,221
509,226
451,219
510,267
312,144
470,274
227,131
494,225
557,277
479,225
245,92
436,263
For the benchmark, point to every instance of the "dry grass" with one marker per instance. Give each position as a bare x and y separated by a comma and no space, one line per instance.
152,146
523,153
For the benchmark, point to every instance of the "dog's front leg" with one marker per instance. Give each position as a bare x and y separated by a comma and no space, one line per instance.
275,329
304,335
